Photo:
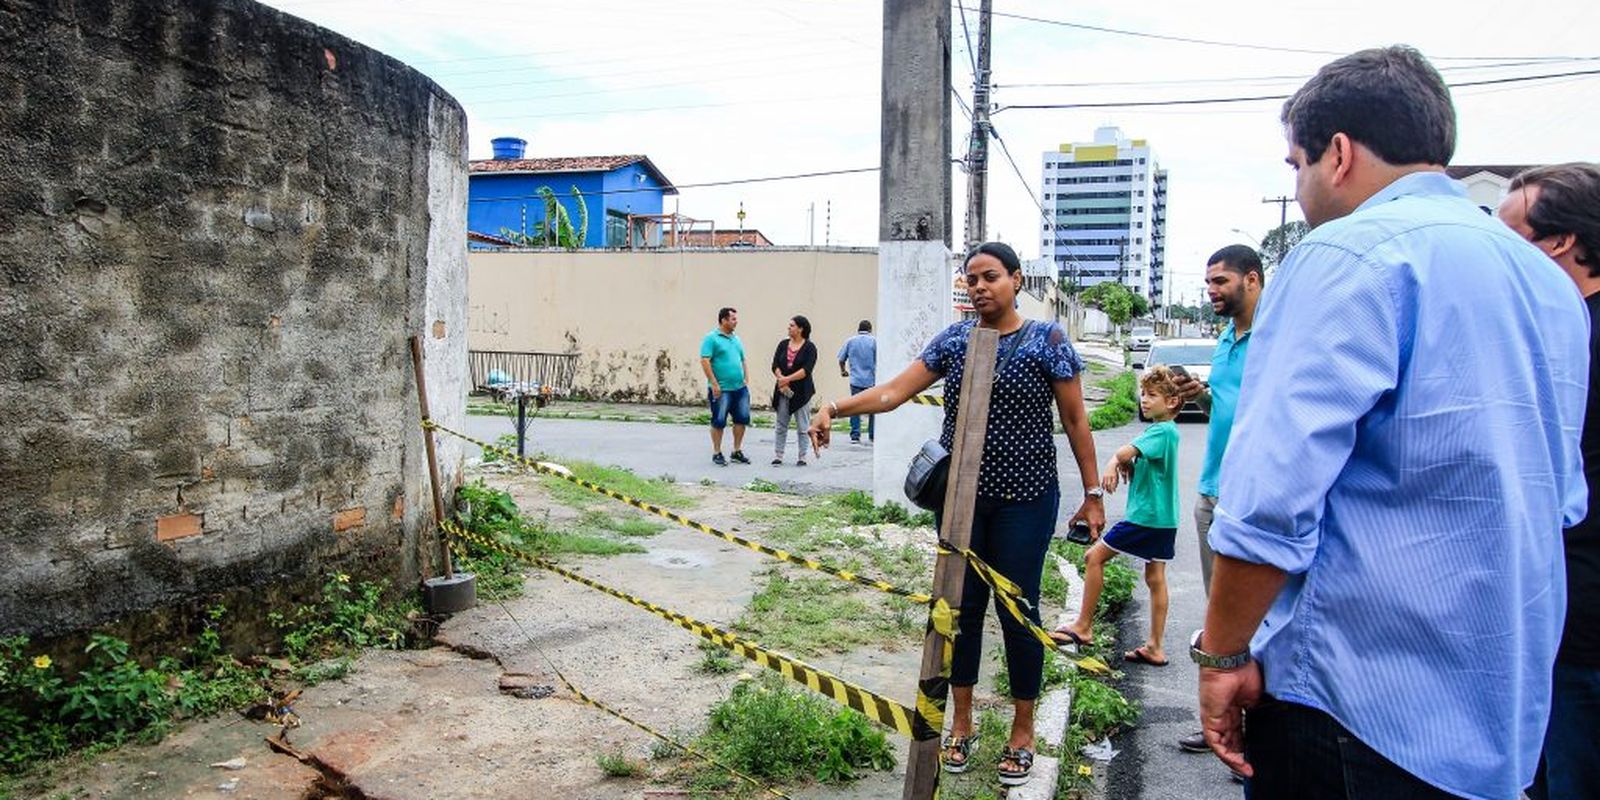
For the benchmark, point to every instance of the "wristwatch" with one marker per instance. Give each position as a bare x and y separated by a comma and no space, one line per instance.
1094,491
1205,659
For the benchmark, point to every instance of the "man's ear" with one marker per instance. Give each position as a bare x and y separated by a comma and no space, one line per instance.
1563,244
1342,149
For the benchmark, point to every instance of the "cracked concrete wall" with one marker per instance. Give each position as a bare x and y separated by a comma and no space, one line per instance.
636,318
218,226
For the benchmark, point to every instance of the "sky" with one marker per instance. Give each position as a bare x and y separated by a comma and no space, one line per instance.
719,90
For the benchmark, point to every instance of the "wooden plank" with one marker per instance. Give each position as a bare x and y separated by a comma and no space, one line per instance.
433,461
949,572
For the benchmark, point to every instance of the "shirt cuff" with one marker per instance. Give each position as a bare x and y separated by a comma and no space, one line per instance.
1237,539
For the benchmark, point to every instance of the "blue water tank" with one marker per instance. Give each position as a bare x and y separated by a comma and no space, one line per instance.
506,147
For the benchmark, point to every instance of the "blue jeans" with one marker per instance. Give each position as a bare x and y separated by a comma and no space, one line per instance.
1012,537
733,402
855,422
1570,764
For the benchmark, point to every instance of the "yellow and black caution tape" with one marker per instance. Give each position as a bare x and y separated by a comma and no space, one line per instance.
1010,596
925,400
876,707
586,699
783,555
933,692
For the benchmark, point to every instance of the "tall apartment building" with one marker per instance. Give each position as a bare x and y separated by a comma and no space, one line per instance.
1107,200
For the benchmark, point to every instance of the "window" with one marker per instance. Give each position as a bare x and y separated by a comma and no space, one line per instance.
616,229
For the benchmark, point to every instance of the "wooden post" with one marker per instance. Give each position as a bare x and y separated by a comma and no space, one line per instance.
949,571
433,460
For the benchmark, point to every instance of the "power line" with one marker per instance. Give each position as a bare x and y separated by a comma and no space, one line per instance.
1244,45
1043,214
732,182
1257,98
1252,79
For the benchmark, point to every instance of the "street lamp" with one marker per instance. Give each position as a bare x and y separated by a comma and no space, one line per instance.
1246,235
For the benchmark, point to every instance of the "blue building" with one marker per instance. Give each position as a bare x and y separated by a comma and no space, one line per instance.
503,195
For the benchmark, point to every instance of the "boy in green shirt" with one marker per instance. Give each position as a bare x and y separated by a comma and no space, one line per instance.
1150,526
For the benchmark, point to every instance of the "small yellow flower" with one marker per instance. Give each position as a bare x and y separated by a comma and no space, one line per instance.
41,662
343,578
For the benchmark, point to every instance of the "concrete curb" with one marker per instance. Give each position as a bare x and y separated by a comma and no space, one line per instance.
1054,712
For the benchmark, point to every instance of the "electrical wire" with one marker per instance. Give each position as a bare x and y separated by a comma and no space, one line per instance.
1244,45
1255,78
1257,98
1043,214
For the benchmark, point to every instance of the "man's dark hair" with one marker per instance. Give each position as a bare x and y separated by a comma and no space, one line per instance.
803,324
725,312
1568,202
1389,99
1239,258
1002,253
864,327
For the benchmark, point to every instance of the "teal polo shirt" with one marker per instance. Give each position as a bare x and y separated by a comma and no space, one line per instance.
727,358
1227,370
1153,489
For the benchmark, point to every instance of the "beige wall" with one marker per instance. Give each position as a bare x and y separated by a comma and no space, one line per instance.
637,318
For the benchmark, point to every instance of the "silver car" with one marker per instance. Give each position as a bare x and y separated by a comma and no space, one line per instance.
1194,355
1141,338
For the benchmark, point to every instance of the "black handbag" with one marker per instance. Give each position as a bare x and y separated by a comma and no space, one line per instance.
929,472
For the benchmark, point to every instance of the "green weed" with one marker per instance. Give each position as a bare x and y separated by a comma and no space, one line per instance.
715,660
776,733
1121,405
656,491
761,485
344,616
617,765
1100,708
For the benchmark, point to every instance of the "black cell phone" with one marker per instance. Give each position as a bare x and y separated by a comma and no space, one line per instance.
1176,370
1078,533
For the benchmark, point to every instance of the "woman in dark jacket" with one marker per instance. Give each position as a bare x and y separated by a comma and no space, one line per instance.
792,364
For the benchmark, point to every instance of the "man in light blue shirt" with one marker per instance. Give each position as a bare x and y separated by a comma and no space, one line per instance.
1233,281
1404,458
858,361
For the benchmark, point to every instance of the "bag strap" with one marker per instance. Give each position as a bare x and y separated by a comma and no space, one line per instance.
1011,346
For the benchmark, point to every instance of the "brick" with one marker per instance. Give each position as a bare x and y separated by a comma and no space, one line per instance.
348,518
438,329
399,508
179,526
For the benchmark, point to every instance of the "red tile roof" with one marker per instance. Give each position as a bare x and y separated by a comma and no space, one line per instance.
723,237
564,164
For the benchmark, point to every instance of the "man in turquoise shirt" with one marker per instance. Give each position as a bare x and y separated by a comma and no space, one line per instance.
1233,280
727,392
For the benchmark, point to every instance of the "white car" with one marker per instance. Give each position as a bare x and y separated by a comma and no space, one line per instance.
1141,338
1194,355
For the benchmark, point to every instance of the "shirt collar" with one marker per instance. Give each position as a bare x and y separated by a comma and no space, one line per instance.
1230,335
1419,183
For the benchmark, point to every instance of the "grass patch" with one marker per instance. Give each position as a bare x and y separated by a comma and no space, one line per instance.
650,490
1122,403
784,735
761,485
808,615
1120,580
589,544
715,660
617,765
635,526
978,783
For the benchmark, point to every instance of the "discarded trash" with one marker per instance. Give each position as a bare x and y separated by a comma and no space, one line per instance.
1101,750
232,763
228,787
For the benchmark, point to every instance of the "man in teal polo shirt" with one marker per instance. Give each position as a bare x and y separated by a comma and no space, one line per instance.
1233,280
727,390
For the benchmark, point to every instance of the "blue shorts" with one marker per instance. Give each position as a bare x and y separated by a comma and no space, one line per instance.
1150,544
734,401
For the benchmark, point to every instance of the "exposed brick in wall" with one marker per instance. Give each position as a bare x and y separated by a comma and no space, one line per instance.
218,225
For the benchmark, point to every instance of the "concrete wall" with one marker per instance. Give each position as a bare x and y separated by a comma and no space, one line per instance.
218,226
637,318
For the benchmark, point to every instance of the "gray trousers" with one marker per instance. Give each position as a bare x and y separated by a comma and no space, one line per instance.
1205,507
802,421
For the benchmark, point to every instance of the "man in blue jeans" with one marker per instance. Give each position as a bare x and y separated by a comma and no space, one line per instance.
727,384
1557,209
858,361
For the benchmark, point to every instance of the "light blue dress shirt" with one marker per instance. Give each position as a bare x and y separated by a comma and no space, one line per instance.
861,350
1406,448
1227,371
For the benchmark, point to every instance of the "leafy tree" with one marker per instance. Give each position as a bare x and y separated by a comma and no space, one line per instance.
1275,246
1112,298
1141,306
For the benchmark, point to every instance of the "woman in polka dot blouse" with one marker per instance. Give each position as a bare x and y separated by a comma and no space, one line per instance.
1019,492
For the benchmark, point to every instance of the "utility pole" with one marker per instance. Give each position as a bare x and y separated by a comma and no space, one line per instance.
914,263
978,146
1283,207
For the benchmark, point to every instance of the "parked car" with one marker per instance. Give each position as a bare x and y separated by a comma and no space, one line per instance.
1194,355
1141,338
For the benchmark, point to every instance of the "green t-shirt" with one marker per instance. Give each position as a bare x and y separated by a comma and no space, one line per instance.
727,358
1153,492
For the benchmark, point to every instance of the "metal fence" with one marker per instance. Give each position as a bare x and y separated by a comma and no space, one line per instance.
496,371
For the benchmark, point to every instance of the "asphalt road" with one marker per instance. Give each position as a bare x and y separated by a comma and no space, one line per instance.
1150,766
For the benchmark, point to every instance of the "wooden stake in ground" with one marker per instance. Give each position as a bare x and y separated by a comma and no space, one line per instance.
949,571
433,461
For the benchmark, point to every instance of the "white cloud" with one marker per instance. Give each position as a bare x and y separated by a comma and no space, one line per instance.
780,88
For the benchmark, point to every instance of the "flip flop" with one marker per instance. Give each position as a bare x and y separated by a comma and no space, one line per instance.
1139,655
1072,638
